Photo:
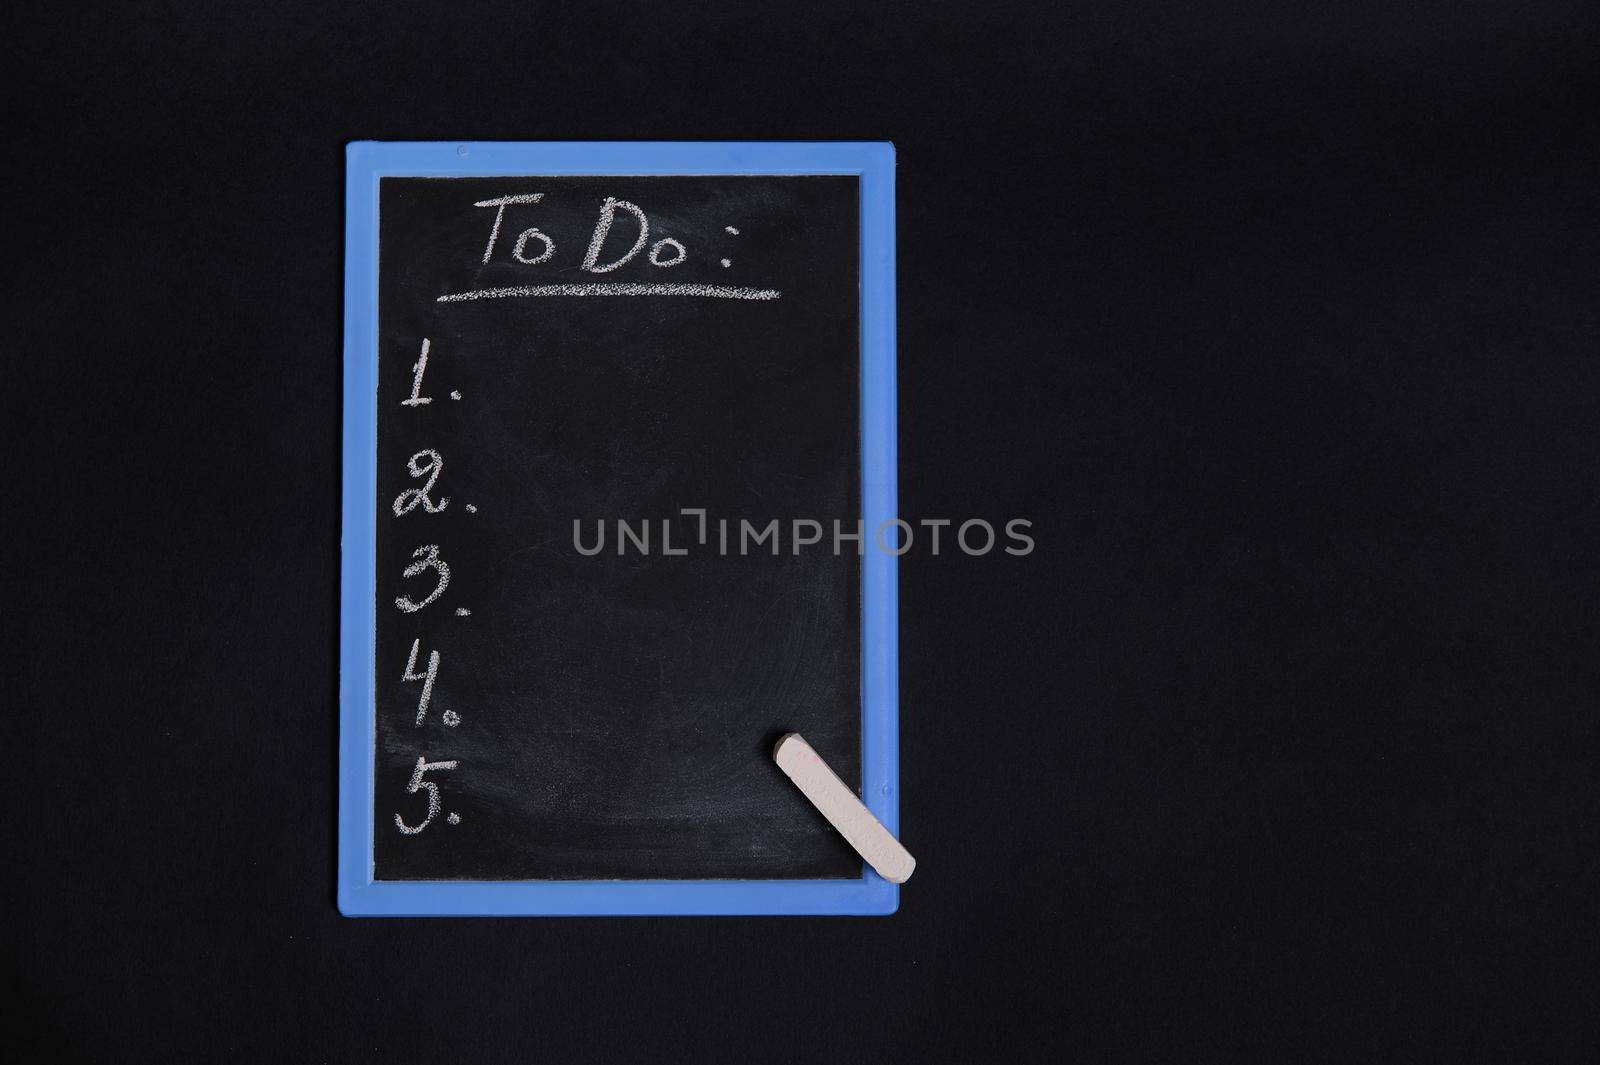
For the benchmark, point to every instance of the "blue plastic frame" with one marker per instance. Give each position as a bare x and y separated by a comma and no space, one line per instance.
368,161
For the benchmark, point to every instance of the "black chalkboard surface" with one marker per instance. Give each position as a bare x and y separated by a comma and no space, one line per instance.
609,715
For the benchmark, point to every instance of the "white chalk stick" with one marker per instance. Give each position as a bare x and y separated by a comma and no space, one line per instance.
841,807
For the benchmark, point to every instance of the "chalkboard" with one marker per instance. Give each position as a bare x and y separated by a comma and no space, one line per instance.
619,430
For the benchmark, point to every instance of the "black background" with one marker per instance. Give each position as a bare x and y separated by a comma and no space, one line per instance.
618,711
1280,322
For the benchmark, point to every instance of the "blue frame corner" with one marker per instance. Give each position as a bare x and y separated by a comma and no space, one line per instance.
368,161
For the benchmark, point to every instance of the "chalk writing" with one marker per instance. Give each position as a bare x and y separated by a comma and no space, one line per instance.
426,557
427,678
500,206
422,464
426,465
416,398
664,254
434,801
